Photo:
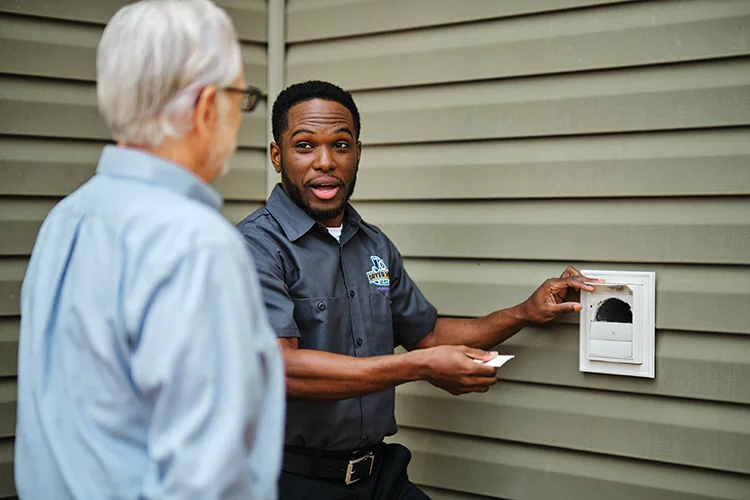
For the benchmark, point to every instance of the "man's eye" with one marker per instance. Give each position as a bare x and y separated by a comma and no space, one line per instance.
303,145
341,145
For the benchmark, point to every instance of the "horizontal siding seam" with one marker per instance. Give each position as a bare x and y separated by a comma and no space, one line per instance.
354,36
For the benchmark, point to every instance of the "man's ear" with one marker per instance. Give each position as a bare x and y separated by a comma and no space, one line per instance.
359,151
275,152
206,113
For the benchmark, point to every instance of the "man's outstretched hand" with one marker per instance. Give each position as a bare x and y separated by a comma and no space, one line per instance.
452,368
547,302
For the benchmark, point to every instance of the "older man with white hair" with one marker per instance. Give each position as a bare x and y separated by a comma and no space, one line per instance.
147,368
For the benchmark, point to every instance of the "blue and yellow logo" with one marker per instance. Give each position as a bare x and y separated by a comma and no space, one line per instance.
379,274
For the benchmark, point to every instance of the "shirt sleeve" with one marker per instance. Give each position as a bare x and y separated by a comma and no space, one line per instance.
210,374
413,315
278,302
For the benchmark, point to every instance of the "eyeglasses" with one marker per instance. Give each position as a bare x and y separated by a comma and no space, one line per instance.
250,96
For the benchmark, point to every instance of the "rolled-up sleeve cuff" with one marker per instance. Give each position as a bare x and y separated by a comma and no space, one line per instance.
284,333
418,328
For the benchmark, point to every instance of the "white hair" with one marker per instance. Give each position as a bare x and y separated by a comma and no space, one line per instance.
154,58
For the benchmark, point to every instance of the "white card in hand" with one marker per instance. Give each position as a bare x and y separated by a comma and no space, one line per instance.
498,361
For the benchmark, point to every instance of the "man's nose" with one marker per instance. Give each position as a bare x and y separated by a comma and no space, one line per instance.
324,160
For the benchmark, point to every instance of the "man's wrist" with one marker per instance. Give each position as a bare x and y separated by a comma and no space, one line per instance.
521,313
419,363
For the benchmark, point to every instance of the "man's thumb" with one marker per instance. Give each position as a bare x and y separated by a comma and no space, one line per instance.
479,354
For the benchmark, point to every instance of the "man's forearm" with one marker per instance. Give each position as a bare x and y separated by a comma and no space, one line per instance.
545,304
327,376
480,333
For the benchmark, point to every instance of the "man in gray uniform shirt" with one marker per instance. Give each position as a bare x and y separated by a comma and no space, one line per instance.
340,300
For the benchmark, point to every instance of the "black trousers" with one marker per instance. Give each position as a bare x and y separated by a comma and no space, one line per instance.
387,482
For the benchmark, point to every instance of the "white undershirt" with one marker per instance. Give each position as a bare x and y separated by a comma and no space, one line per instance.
336,232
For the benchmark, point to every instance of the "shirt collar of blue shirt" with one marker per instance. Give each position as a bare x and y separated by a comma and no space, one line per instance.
295,222
137,164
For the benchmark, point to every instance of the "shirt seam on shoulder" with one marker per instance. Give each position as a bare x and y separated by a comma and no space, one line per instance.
263,212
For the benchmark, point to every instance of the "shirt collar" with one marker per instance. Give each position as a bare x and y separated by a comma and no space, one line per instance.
134,163
296,222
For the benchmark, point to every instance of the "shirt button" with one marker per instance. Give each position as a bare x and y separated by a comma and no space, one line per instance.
322,306
365,439
360,341
352,293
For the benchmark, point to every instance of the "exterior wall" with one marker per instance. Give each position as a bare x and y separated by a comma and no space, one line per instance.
505,140
51,136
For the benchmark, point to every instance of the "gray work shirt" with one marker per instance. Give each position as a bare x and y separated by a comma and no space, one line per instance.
353,298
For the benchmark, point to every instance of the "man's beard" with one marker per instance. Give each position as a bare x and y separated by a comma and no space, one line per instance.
318,215
225,143
222,151
221,161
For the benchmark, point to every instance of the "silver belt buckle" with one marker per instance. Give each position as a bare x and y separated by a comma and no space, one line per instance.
354,472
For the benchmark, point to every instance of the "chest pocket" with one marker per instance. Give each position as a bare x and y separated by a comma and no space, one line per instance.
324,324
382,323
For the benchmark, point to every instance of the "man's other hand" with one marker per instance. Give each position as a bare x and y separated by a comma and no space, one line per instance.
547,302
453,369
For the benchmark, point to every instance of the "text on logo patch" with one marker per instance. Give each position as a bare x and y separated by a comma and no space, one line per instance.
379,273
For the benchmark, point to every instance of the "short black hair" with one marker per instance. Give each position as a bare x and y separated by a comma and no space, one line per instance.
307,91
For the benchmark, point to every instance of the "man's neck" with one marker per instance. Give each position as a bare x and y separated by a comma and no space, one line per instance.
177,153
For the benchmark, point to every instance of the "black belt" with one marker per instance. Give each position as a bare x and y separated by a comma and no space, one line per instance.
348,467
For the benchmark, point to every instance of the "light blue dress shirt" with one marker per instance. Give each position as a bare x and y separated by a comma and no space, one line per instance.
147,368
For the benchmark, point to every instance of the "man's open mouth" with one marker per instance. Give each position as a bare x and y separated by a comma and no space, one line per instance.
324,190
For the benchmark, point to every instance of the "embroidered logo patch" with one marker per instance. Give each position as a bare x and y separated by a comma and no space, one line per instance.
379,273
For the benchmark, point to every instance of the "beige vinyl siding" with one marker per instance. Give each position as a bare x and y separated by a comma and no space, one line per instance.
317,19
506,140
51,136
